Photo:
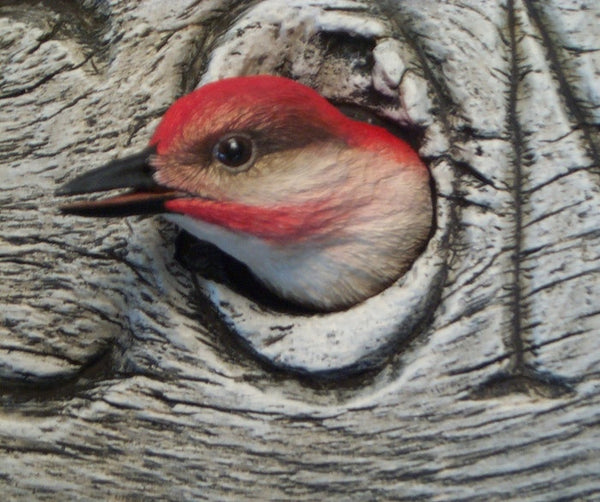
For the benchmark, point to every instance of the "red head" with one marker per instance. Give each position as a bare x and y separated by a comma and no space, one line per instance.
274,103
289,129
323,209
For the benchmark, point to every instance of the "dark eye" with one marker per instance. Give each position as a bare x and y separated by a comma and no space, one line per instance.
235,152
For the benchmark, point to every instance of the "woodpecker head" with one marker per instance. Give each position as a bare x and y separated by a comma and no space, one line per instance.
325,211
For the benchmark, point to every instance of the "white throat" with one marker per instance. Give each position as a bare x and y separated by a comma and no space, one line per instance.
289,271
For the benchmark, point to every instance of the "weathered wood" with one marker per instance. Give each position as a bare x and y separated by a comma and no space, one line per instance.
119,377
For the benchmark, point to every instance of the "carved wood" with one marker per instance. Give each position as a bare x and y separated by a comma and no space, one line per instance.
119,378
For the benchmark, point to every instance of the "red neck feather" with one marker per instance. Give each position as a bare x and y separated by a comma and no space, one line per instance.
276,224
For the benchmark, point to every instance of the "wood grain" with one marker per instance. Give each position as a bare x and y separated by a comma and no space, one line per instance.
118,377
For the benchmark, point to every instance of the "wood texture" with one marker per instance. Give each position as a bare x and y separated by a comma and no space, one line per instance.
119,378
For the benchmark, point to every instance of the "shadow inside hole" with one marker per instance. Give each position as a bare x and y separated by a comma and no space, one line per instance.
411,134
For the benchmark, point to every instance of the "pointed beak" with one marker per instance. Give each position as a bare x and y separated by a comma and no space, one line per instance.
134,172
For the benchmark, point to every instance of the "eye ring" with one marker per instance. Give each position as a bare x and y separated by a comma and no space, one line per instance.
235,152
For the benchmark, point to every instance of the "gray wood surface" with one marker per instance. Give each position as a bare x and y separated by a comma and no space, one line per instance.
122,377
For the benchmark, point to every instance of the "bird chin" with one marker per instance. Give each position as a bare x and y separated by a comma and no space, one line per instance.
259,266
240,246
282,270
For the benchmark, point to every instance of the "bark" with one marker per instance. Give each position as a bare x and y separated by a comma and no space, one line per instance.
126,374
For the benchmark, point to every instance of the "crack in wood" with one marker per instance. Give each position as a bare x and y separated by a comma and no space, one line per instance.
517,138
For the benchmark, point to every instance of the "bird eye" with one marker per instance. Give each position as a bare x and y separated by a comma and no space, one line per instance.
235,152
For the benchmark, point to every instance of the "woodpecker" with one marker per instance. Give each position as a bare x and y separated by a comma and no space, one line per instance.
324,210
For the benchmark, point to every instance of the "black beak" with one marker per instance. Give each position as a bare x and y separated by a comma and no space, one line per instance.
135,173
